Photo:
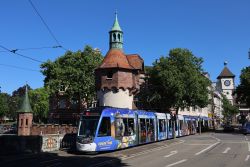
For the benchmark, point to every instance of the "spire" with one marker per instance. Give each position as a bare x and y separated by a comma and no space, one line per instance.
26,103
116,26
116,35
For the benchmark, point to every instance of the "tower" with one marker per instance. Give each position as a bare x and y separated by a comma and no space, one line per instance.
116,35
25,117
226,83
118,76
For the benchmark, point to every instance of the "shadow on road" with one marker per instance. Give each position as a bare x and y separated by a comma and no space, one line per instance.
53,159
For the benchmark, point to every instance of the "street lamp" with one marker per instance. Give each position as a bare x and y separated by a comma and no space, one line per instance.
200,124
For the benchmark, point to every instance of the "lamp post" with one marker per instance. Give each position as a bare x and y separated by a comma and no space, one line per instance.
200,124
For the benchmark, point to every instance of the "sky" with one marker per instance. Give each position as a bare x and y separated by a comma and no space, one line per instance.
215,30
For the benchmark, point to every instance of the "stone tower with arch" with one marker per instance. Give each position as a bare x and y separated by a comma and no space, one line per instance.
119,76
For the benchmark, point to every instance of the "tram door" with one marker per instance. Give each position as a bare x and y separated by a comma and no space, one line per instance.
146,130
142,131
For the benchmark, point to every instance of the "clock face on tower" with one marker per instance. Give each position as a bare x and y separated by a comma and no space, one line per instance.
227,83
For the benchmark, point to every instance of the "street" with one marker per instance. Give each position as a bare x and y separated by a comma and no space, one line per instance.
206,150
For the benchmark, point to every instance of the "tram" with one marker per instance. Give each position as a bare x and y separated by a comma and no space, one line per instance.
108,129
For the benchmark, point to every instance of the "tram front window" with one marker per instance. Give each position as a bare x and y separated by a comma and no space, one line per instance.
88,125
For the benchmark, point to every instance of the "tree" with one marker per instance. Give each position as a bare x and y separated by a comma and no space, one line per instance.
228,110
243,89
178,81
4,108
39,99
74,73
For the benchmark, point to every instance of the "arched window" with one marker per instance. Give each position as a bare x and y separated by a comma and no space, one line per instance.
114,37
119,37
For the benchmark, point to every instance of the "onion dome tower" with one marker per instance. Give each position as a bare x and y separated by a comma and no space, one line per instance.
25,117
118,76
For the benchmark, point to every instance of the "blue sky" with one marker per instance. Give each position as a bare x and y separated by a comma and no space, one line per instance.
212,29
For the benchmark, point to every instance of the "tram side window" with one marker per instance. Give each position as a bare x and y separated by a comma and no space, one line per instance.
162,125
143,127
124,127
181,124
104,129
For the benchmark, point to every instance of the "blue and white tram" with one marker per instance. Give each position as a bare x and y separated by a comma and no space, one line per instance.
113,128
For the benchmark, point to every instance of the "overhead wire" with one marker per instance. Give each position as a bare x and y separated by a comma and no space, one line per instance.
18,67
33,48
46,25
15,52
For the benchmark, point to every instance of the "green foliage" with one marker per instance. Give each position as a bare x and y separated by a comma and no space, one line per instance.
4,107
228,110
39,99
74,72
178,81
243,90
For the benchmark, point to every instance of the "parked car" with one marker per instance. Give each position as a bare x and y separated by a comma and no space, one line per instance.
246,128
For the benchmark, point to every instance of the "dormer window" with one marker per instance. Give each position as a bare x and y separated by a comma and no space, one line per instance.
109,75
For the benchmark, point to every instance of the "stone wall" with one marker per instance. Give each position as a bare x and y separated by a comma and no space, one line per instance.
43,129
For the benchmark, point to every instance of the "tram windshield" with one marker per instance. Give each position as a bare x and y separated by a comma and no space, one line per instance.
88,126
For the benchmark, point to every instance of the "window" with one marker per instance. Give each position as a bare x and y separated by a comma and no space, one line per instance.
181,124
104,129
109,75
74,103
119,37
162,125
124,127
114,37
62,104
21,122
26,122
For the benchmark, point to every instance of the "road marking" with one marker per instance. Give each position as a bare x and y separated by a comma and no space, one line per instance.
216,138
198,144
247,158
171,153
226,150
246,138
198,153
176,163
151,150
249,146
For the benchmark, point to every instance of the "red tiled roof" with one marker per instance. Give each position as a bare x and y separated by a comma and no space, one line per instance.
135,61
115,58
225,73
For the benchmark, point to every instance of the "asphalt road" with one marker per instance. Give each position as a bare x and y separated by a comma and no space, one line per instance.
206,150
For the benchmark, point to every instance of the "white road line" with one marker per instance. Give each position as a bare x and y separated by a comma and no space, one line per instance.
247,158
246,138
150,150
216,138
249,146
198,144
226,150
198,153
176,163
171,153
